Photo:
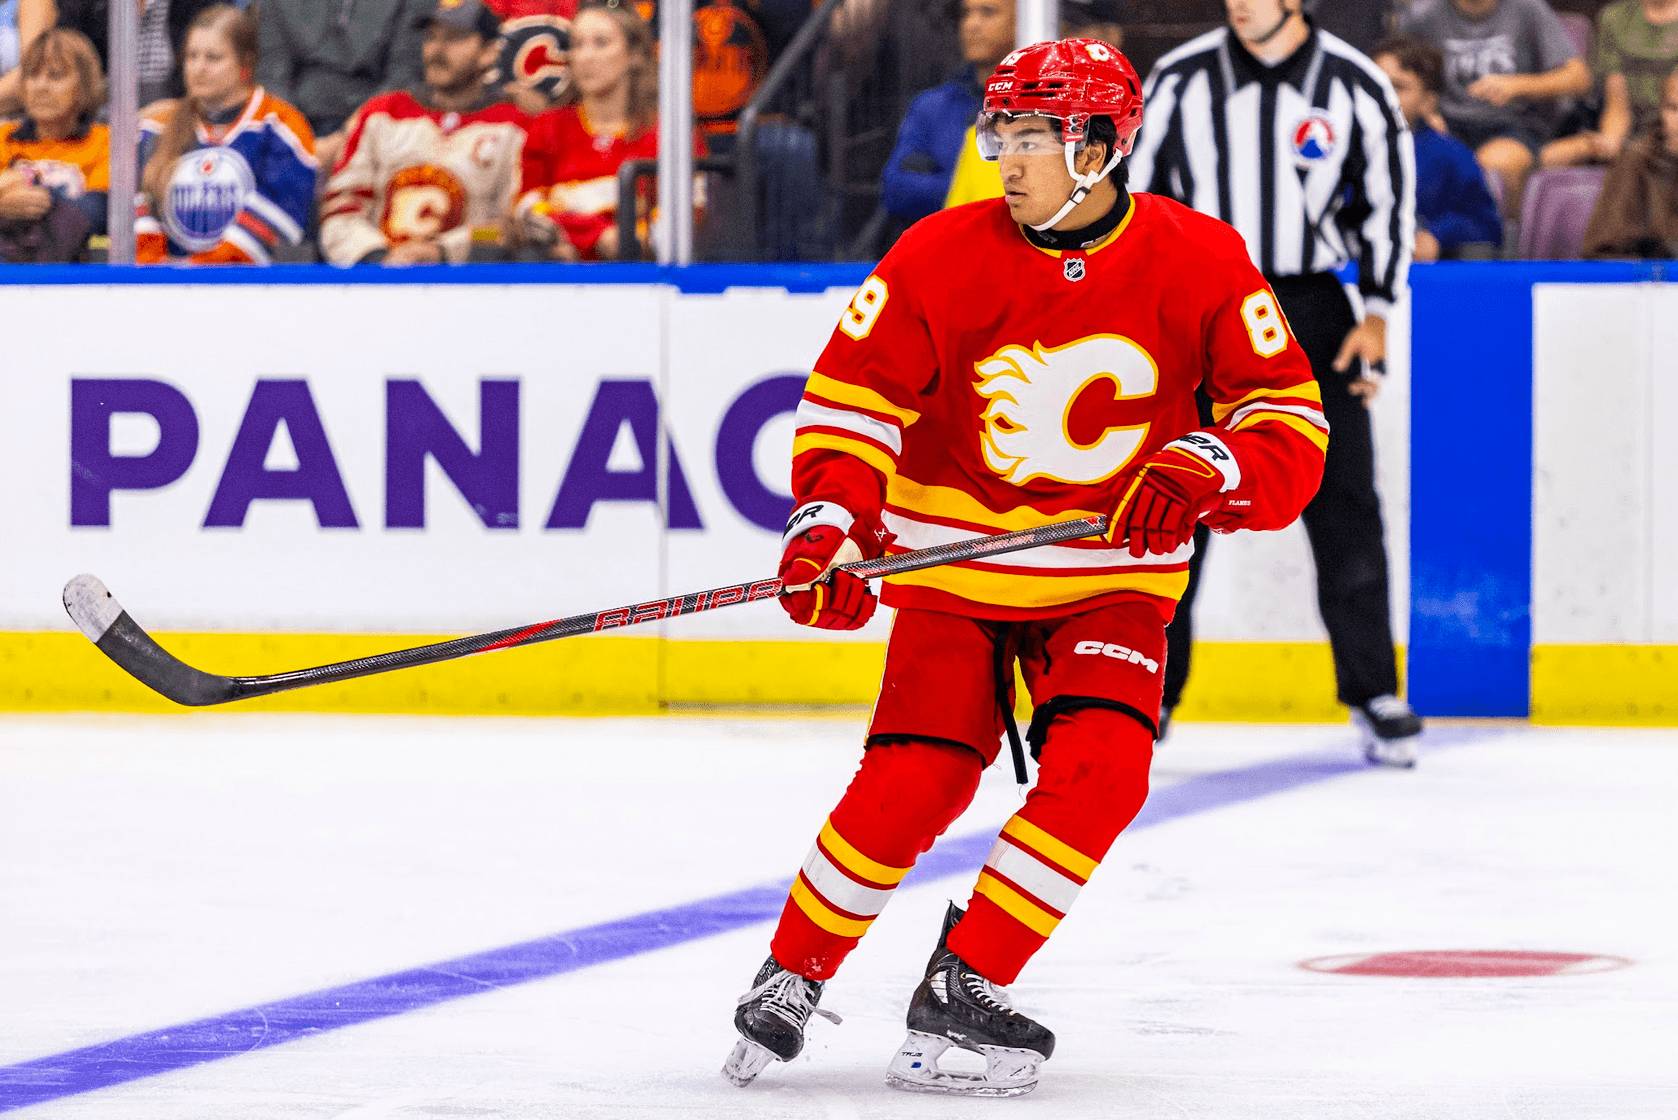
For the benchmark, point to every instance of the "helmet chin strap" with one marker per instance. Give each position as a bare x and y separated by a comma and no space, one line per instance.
1082,184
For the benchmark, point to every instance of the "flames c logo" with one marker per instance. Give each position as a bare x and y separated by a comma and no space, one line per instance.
422,201
1051,417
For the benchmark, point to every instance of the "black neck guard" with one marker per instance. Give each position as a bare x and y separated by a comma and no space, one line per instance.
1073,239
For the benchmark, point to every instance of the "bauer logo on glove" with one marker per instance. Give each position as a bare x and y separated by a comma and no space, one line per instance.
820,536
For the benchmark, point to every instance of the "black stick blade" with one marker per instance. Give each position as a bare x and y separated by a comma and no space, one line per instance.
98,615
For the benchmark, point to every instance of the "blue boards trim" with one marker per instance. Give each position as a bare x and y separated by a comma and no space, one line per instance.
1471,480
255,1028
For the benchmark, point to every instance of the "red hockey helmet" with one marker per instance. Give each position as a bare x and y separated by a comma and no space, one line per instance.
1071,80
1068,81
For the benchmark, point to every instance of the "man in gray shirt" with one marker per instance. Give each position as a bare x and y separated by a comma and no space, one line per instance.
1505,62
327,57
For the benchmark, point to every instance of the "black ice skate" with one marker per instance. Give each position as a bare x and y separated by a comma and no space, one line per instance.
771,1019
1390,731
955,1006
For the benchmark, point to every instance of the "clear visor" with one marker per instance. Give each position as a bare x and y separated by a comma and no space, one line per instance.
1019,134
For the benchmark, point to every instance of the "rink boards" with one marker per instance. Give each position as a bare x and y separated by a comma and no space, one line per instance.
281,474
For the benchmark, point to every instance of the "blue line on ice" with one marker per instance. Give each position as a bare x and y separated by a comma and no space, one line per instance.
269,1024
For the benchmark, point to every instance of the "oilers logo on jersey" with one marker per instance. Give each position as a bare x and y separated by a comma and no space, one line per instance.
207,189
1038,395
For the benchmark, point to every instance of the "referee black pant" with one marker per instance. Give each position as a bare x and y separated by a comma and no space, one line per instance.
1343,521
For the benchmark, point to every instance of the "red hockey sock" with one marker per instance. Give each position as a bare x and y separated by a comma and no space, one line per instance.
1091,784
903,797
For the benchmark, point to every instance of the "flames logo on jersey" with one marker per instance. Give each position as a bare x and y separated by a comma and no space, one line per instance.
1033,394
206,191
422,202
536,52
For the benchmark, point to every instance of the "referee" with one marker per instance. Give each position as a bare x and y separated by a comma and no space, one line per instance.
1296,140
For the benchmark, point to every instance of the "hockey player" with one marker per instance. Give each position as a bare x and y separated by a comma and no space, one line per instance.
1010,363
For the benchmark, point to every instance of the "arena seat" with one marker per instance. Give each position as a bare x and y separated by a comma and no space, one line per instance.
1555,211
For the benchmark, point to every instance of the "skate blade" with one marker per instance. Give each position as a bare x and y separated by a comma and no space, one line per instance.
745,1062
1008,1073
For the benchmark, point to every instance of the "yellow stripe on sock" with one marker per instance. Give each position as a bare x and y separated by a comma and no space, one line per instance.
824,915
1016,905
1039,841
857,863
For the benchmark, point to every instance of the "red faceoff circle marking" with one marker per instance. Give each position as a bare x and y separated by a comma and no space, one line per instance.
1465,962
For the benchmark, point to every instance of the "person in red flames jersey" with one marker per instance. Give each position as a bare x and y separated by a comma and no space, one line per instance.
1011,363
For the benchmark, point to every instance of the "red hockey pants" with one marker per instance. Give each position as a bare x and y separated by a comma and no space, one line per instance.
1095,678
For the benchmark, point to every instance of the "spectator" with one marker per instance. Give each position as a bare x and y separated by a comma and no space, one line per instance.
735,42
228,171
20,22
576,150
1092,19
57,161
534,70
1636,214
163,28
1453,206
1636,48
1505,62
1362,23
424,174
930,141
327,57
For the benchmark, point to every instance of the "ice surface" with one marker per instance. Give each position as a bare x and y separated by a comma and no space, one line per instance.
158,870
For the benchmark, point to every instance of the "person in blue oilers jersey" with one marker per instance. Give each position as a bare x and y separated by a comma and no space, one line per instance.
1296,139
228,170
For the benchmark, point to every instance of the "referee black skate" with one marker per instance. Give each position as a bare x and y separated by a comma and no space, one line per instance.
1295,138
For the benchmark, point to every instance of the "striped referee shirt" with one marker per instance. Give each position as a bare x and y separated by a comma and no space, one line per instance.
1309,159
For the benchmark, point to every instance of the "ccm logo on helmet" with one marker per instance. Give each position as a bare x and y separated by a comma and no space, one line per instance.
1117,653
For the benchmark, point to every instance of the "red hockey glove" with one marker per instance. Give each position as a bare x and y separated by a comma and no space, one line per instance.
1175,487
819,537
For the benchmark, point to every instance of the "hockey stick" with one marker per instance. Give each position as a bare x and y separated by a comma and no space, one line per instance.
119,637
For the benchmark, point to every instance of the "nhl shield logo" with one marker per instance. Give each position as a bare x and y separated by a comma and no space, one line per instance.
1072,268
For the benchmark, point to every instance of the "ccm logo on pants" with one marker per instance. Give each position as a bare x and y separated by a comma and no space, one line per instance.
1118,653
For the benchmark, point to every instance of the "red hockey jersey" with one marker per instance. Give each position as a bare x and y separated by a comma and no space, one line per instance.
571,172
978,384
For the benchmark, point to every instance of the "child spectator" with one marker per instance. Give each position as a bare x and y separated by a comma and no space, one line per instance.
1636,214
1506,63
1453,206
20,22
929,142
327,57
1636,48
229,169
423,172
571,204
55,164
